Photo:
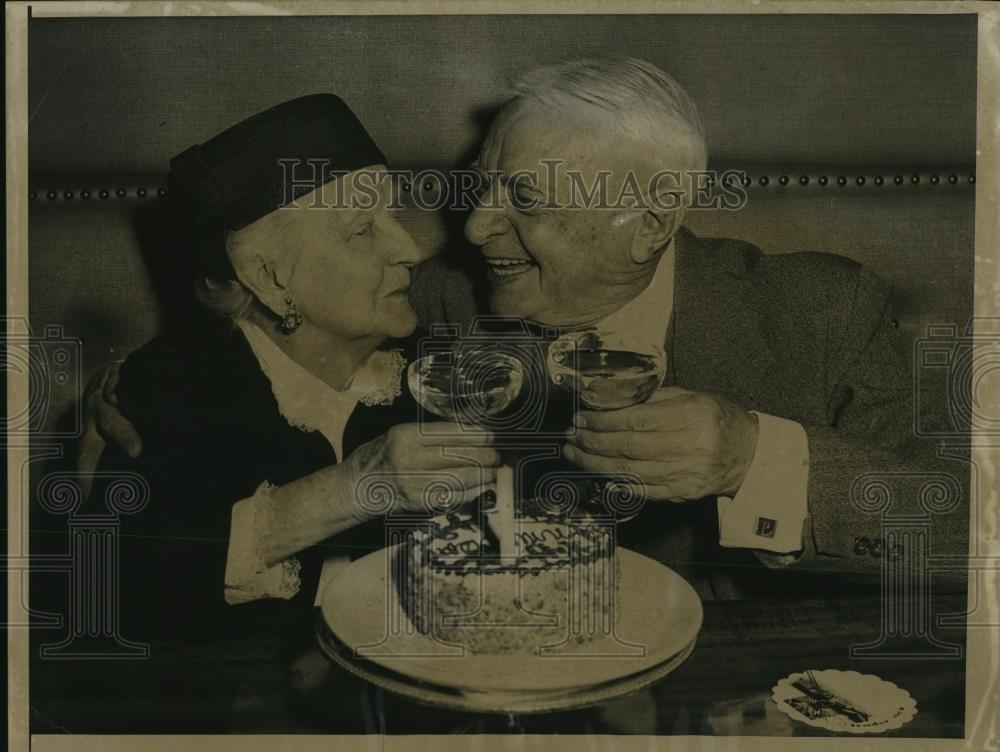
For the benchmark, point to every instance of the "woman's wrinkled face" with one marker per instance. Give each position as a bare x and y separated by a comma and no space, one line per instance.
348,259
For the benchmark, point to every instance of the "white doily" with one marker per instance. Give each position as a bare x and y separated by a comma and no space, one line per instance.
844,701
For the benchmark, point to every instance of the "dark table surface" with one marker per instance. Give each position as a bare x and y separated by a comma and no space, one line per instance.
276,680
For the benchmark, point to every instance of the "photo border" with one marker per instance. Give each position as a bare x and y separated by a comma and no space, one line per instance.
983,645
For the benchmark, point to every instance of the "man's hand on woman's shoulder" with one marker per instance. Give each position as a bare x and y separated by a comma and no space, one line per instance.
103,423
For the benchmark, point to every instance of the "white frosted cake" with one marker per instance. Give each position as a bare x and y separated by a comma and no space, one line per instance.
558,589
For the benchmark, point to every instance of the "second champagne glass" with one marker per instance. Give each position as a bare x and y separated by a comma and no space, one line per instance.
607,371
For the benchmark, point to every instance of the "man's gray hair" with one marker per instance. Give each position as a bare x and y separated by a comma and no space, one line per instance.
640,99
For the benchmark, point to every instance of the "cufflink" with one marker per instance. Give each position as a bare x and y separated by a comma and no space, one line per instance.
872,546
766,527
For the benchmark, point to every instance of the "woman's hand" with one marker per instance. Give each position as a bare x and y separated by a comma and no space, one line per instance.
422,467
411,467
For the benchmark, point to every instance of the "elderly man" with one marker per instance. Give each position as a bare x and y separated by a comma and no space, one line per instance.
786,379
786,382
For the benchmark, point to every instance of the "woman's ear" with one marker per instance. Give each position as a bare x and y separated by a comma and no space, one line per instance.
654,231
263,279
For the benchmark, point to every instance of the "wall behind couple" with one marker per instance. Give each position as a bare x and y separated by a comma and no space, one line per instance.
112,100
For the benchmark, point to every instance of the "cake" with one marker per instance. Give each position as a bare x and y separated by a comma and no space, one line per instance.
557,591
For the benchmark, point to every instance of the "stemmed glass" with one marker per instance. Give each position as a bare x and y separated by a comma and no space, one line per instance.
467,385
606,371
470,384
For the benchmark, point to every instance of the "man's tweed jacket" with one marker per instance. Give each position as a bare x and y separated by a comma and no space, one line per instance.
804,336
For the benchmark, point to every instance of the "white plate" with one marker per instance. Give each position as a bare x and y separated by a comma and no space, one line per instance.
658,615
492,702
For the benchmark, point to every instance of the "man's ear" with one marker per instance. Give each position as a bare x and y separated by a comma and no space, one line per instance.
655,229
264,280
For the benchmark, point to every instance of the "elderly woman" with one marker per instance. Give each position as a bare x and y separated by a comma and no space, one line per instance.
261,423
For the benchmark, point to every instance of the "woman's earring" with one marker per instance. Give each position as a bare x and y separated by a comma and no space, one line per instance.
292,320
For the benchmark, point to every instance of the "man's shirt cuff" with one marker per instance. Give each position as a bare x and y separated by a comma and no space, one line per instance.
769,511
248,578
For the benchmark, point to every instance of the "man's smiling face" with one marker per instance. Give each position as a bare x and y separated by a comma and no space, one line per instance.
560,265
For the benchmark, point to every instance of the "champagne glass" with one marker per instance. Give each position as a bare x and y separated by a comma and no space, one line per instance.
606,371
466,385
470,385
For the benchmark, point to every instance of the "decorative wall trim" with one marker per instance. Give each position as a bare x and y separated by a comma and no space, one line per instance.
54,190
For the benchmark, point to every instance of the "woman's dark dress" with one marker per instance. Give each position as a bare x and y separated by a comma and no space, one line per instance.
212,433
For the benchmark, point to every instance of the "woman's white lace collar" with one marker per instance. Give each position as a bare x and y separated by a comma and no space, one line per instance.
305,400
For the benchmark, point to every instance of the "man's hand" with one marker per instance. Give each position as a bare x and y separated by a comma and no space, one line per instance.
684,445
103,422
